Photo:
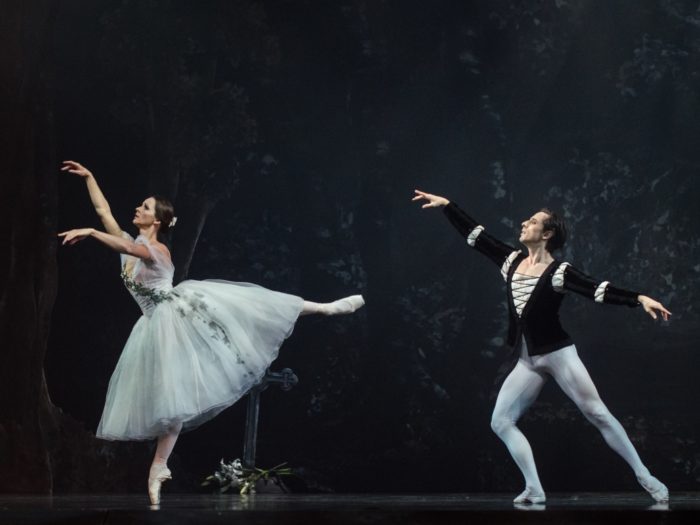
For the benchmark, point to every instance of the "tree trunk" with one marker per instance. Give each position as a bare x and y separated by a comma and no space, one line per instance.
40,447
28,222
194,213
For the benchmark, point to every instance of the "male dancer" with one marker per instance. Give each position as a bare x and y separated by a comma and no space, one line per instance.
536,283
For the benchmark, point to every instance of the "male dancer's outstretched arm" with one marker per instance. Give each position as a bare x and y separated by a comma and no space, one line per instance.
475,234
578,282
572,279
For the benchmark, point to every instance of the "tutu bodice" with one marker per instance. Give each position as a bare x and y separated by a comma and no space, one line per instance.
150,282
198,347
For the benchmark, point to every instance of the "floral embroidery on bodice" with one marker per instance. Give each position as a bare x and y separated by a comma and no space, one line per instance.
150,282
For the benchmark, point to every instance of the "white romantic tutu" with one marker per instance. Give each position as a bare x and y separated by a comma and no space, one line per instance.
199,348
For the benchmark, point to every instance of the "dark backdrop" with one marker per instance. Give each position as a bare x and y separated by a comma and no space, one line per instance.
294,132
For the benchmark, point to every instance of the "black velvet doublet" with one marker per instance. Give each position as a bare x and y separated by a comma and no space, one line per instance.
539,321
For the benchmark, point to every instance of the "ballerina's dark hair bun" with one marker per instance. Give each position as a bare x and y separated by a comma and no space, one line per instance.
165,213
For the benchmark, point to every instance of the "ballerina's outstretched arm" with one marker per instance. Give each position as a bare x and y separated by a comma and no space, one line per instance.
118,244
96,196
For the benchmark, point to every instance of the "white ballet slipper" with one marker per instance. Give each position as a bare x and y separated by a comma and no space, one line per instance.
654,487
155,479
530,495
346,305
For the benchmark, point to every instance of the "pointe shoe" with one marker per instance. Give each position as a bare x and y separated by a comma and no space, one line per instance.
155,481
530,495
654,487
346,305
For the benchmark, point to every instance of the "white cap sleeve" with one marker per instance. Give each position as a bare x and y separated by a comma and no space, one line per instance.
558,278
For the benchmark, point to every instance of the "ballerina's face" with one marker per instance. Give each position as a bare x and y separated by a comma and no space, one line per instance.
532,229
146,213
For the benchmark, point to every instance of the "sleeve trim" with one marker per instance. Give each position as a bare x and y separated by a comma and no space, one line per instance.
558,277
507,264
600,292
471,238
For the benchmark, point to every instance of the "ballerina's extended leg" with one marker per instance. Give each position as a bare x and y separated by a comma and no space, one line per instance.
346,305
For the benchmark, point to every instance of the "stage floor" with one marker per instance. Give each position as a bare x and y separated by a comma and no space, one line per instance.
109,509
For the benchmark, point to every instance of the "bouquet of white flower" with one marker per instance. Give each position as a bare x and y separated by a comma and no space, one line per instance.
234,475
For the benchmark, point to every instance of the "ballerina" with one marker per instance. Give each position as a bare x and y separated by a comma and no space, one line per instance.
536,283
197,348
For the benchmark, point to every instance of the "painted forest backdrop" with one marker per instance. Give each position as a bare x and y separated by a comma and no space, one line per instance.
290,135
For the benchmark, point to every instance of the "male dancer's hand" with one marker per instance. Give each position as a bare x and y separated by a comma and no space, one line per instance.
434,201
652,306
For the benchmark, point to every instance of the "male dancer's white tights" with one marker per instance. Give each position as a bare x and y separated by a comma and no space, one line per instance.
522,387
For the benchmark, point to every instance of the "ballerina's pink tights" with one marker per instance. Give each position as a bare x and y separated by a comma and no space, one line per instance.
166,444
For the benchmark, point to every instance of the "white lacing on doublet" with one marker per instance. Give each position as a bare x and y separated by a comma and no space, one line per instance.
522,286
558,278
471,238
507,264
600,292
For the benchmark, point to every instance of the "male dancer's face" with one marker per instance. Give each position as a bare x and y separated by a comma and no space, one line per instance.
532,230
